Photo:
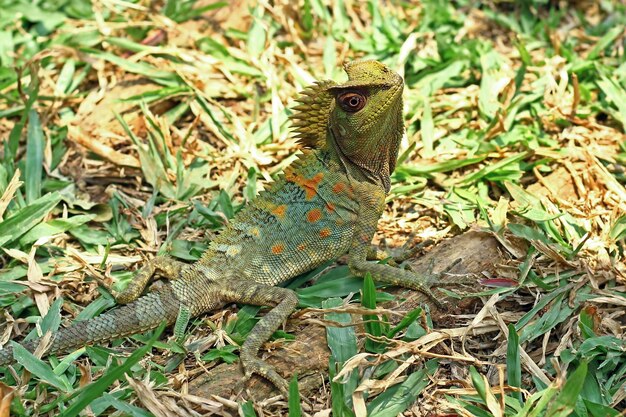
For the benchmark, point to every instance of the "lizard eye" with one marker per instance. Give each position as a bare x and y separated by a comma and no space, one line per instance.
351,102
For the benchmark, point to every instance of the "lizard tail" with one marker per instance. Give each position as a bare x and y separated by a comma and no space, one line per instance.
144,314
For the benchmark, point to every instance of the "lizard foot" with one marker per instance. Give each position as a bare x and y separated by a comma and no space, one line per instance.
407,253
432,278
261,368
436,277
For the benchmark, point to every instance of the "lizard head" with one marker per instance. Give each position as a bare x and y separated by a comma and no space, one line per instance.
361,118
366,121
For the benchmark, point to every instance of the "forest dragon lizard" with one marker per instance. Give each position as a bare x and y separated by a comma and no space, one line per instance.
326,204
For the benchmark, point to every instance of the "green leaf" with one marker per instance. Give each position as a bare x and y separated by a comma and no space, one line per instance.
618,228
225,354
586,323
615,94
22,220
38,368
64,82
395,400
406,321
7,44
247,409
436,80
341,21
484,391
329,57
151,164
605,41
55,227
249,192
295,408
90,392
513,365
491,64
343,345
599,410
565,402
427,129
99,406
246,320
14,137
34,158
307,18
372,325
444,166
257,34
559,312
528,233
50,322
162,77
494,168
478,382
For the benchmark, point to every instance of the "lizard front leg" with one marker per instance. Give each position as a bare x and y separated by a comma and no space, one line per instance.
284,301
392,275
373,205
166,266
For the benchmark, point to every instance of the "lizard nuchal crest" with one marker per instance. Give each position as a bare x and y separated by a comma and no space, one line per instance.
326,204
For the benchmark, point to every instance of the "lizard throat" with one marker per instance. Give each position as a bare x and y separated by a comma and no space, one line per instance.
376,168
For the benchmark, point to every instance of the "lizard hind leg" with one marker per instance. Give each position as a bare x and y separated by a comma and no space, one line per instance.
284,301
165,266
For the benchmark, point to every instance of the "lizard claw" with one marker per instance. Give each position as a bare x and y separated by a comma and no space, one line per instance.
259,367
446,270
451,266
407,254
240,386
433,278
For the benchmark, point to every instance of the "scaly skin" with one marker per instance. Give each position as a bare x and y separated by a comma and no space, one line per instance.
325,205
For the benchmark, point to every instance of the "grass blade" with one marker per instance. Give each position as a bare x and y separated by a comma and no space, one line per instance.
343,345
38,367
513,365
26,218
295,408
565,402
94,390
34,157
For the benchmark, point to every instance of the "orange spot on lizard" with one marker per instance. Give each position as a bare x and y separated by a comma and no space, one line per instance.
280,211
314,215
301,246
330,207
339,187
278,248
309,185
325,232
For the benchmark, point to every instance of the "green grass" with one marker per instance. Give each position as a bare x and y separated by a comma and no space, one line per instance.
515,116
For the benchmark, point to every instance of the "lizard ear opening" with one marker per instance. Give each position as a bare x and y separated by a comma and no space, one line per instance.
310,119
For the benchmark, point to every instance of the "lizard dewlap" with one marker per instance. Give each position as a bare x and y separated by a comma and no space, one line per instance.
325,205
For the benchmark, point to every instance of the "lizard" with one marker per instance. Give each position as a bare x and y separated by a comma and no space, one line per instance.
326,204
